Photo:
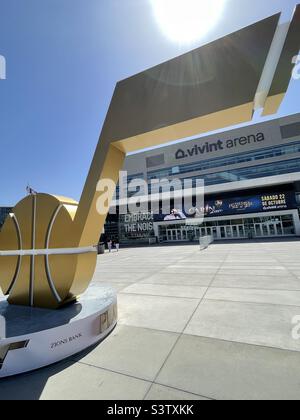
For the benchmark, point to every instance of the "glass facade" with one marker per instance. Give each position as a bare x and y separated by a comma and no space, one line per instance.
252,172
258,170
4,212
237,223
138,228
245,228
254,156
129,179
244,174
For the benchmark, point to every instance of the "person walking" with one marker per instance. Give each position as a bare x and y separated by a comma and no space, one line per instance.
117,244
109,244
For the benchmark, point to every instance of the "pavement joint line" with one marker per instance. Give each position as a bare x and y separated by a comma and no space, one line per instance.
244,343
140,379
252,303
147,276
158,272
149,329
113,371
256,275
182,390
132,282
214,277
285,265
254,288
257,268
176,284
182,333
289,271
117,283
161,296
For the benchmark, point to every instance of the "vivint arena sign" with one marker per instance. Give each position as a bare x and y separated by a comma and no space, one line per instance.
211,147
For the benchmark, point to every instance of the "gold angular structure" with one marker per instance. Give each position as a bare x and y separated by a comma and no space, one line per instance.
47,245
285,66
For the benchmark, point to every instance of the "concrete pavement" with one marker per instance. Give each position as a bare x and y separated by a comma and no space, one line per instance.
215,324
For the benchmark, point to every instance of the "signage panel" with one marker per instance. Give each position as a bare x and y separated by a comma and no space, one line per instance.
237,206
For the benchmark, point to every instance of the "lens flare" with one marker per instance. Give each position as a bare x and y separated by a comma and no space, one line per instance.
187,21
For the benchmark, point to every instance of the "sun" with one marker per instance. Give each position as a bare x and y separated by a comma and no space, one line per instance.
187,21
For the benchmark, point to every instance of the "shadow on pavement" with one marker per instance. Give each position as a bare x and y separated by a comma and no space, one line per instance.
30,386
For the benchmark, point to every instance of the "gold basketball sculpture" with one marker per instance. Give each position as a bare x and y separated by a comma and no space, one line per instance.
48,244
44,268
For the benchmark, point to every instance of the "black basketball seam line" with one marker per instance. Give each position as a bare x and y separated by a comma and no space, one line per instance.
32,258
20,245
46,258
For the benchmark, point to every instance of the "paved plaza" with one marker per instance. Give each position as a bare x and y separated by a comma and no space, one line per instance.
215,324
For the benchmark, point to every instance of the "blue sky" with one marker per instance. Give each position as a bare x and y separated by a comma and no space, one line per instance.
63,60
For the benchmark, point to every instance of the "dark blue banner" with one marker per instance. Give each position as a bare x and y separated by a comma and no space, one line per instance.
237,206
252,204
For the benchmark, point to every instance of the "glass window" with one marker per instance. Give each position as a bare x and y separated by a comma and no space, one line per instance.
155,160
237,222
279,229
262,154
288,228
234,175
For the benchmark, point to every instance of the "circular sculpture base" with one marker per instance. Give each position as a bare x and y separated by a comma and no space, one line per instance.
32,338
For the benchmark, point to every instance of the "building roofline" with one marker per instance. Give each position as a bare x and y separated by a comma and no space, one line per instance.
213,134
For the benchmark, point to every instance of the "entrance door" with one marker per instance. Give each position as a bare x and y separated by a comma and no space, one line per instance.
235,232
215,232
272,229
265,230
173,235
228,230
277,228
222,232
241,229
238,231
258,230
268,229
232,232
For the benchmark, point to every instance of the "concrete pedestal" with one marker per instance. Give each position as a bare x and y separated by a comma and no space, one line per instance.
32,338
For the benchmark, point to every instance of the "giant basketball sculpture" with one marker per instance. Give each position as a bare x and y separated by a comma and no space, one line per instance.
47,245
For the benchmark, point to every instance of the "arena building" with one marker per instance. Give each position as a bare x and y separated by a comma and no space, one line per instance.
252,185
4,212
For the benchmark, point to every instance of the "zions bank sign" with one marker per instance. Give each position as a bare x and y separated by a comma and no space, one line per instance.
212,147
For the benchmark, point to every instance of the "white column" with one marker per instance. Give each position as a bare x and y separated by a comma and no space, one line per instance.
296,222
